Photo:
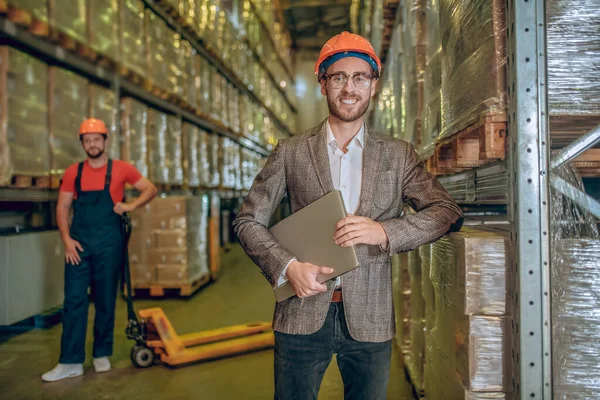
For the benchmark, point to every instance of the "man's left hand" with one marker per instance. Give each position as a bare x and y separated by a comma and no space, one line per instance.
121,208
354,230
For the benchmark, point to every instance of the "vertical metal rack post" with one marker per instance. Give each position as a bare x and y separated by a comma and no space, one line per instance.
529,204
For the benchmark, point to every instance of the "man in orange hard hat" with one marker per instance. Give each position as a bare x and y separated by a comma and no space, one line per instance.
93,247
351,316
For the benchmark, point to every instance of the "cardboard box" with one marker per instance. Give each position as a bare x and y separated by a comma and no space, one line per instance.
177,256
171,239
142,274
166,274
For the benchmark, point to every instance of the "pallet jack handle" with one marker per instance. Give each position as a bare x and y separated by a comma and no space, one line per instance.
135,329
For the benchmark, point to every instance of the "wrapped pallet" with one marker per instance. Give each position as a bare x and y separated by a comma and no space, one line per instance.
575,278
177,64
213,155
189,78
469,345
174,161
573,41
415,351
134,120
104,106
69,17
23,116
157,43
103,28
397,298
473,62
132,46
156,140
169,241
68,108
191,159
216,87
230,165
432,107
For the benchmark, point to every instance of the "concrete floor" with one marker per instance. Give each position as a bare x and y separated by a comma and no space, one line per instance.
240,295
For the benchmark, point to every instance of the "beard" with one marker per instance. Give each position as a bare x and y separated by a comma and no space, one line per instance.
94,156
359,109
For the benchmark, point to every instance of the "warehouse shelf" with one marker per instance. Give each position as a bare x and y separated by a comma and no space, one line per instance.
57,55
484,185
265,27
204,52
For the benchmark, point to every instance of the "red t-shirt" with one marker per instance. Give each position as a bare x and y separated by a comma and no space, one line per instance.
94,178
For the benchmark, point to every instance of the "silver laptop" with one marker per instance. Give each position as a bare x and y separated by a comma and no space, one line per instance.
308,235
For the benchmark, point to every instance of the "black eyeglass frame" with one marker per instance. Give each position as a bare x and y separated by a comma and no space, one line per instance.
346,77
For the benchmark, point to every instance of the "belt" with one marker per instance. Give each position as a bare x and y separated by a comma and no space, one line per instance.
337,296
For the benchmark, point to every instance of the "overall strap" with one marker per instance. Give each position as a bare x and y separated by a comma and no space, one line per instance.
78,178
108,174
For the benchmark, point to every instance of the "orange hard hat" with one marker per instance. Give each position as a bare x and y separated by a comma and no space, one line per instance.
93,125
347,42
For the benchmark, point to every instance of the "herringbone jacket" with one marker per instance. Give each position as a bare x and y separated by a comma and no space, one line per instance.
392,177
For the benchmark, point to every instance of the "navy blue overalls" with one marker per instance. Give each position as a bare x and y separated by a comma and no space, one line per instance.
98,228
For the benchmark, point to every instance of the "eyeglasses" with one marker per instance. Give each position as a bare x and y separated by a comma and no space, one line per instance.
338,80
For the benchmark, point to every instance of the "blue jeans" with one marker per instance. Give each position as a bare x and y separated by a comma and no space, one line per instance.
301,361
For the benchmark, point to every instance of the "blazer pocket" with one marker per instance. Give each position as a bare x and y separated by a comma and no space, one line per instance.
379,295
386,190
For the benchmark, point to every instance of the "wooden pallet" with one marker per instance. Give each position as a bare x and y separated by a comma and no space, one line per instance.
479,144
24,181
588,164
131,75
24,19
160,290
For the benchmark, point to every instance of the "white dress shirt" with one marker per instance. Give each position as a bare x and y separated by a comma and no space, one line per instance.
346,175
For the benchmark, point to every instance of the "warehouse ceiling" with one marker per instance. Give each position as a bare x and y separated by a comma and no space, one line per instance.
312,22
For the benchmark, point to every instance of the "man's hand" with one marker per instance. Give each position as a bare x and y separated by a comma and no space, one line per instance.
71,254
354,230
303,278
121,208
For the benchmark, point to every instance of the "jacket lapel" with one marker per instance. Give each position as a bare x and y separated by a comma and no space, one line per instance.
317,143
371,157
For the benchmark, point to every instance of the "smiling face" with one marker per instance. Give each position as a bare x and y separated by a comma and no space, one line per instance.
349,103
93,144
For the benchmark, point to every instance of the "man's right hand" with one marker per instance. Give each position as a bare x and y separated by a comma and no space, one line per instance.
303,278
71,254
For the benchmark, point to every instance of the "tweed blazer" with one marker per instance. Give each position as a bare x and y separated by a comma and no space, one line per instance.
393,176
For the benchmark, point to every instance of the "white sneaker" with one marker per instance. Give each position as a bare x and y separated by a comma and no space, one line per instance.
62,371
102,364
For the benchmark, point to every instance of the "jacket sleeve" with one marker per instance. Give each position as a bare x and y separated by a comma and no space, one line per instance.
251,224
436,212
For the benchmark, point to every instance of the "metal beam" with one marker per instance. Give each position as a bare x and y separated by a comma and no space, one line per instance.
576,148
582,199
529,208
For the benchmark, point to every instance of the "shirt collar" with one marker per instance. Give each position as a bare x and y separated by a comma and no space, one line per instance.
359,138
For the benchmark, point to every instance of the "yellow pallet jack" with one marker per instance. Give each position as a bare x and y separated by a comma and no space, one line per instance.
155,336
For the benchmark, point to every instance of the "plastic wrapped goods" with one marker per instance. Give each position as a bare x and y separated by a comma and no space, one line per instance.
575,277
189,79
37,9
415,357
23,116
103,28
68,109
133,36
573,41
214,151
69,17
432,85
473,62
174,161
104,106
157,147
191,165
157,42
134,119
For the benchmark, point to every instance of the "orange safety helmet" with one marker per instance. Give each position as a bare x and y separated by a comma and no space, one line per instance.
347,42
93,125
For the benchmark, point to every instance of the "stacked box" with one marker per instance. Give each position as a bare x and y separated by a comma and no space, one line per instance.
216,86
104,106
156,140
174,161
230,165
190,78
213,154
473,62
432,112
69,17
177,64
134,121
205,86
103,28
169,241
468,348
23,116
191,160
68,108
133,35
157,44
573,41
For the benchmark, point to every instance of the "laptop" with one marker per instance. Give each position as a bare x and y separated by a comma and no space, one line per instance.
308,235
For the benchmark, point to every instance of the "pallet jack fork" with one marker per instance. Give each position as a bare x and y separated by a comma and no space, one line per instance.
155,336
